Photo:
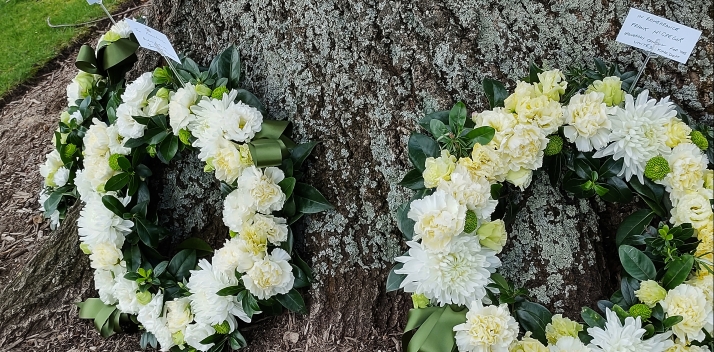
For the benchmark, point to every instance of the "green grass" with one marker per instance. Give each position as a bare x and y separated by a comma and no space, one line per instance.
27,43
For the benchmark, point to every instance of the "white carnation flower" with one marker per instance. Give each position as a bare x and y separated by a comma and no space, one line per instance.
104,283
76,116
500,120
541,112
208,307
116,141
195,333
487,329
616,337
105,256
524,148
96,140
126,125
275,228
178,315
227,161
262,187
136,92
179,107
271,276
122,29
84,187
439,217
125,293
237,210
473,192
97,172
691,304
156,105
680,346
237,254
48,170
61,176
687,164
588,124
153,320
97,224
455,277
638,133
692,207
568,344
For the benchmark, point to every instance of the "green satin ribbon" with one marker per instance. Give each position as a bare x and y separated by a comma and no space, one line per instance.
431,329
107,319
270,146
113,59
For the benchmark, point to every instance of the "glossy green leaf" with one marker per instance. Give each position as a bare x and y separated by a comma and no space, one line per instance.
182,263
457,117
672,321
495,92
308,200
227,65
114,205
287,185
633,226
292,301
413,180
230,291
300,152
677,271
628,286
442,116
533,317
421,147
301,279
148,232
202,248
592,318
404,223
117,182
249,99
438,129
481,135
168,149
394,279
636,263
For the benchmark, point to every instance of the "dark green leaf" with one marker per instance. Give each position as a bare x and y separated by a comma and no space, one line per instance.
308,200
148,339
636,263
227,65
618,191
604,304
457,117
592,318
249,99
495,92
633,225
413,180
677,271
628,286
611,167
302,265
420,148
117,182
300,152
394,279
672,321
143,171
201,247
481,135
168,149
292,301
301,279
287,185
651,193
442,116
438,129
182,263
160,268
533,317
148,232
237,341
230,290
114,205
140,208
405,224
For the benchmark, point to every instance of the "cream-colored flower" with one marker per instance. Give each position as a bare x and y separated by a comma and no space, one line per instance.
499,119
274,228
677,132
650,293
239,253
690,303
137,92
439,217
156,105
178,314
520,178
568,344
693,207
528,344
541,112
680,346
485,162
687,164
611,87
487,329
96,139
524,149
587,123
703,280
709,179
560,327
521,95
179,107
81,87
437,169
105,256
227,161
551,84
706,246
474,193
271,276
492,235
262,188
50,170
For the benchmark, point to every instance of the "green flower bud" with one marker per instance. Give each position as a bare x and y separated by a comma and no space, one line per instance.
656,168
699,140
471,222
640,310
218,92
69,150
143,297
85,248
209,166
163,93
114,162
161,75
185,136
222,328
555,145
420,301
177,338
202,89
232,233
151,149
611,87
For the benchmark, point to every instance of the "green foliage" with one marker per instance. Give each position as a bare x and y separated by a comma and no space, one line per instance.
636,263
495,92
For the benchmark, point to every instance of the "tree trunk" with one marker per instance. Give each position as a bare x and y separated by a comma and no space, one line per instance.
357,76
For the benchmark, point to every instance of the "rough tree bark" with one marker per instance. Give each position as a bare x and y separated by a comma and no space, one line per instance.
358,75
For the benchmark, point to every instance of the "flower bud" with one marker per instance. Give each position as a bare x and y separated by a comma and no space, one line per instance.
492,235
611,87
420,301
143,297
656,168
555,145
218,92
202,89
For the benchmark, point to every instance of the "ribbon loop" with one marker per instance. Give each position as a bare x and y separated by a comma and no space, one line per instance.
270,146
112,59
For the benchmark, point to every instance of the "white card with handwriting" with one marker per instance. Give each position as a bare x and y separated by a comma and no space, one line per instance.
153,40
659,35
92,2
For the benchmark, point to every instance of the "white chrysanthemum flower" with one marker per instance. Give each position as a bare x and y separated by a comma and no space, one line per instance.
588,124
275,228
458,276
236,121
136,92
524,148
500,119
53,170
104,283
238,254
487,329
180,107
692,207
687,164
616,337
271,276
116,141
195,333
178,314
238,209
262,187
638,133
568,344
690,303
474,193
208,307
127,126
125,293
96,140
439,217
97,224
153,320
156,105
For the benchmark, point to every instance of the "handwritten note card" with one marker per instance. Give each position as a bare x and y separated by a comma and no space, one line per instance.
658,35
153,40
92,2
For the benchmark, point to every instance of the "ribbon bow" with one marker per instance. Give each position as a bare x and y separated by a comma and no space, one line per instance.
270,146
107,319
431,329
113,59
